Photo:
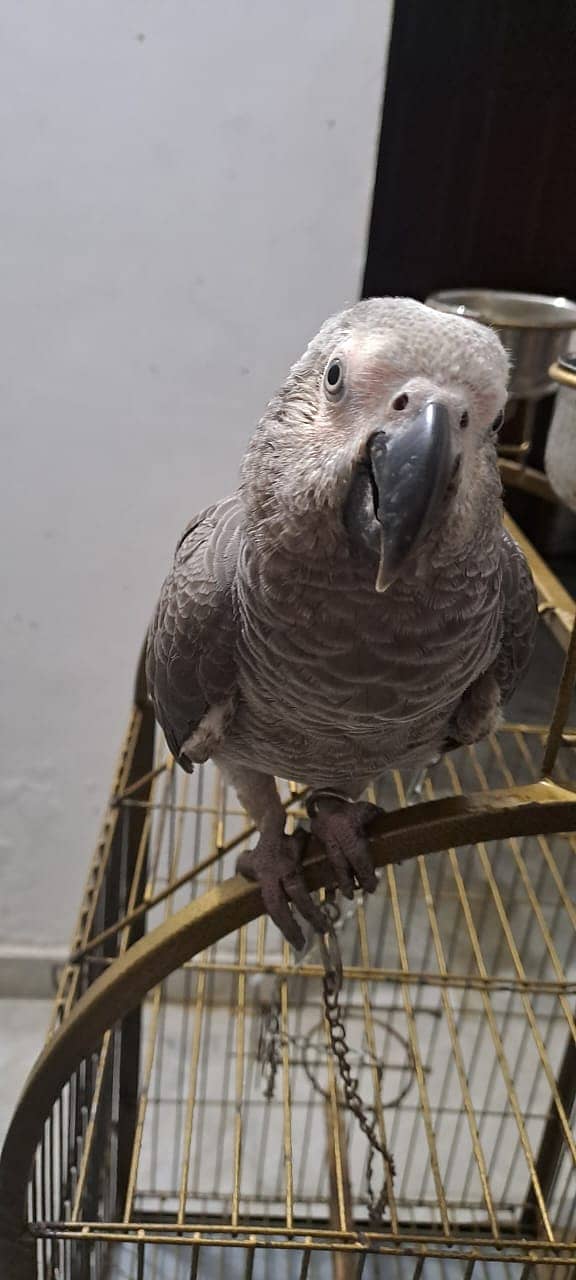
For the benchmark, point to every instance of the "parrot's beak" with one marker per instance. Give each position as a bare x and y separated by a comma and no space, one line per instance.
410,470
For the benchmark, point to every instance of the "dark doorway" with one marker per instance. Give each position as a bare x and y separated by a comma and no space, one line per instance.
476,174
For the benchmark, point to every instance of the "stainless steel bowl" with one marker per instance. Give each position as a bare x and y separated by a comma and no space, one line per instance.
535,330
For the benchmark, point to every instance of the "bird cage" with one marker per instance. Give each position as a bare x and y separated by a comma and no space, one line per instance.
189,1116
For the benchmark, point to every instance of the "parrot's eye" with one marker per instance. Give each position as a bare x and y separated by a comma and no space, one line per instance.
334,378
497,423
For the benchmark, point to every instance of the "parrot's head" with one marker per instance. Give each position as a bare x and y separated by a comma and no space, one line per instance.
384,434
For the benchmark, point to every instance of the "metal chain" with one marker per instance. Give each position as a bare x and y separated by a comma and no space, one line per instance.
268,1053
332,987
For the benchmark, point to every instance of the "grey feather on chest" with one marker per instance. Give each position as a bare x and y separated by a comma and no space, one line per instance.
329,669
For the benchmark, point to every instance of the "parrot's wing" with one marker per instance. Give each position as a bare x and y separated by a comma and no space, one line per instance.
520,618
190,663
480,708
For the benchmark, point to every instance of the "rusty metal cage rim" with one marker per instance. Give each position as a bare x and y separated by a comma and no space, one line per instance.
308,1236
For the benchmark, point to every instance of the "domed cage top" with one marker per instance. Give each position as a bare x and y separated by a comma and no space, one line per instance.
187,1117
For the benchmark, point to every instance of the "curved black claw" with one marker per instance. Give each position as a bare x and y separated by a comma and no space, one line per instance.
341,826
275,864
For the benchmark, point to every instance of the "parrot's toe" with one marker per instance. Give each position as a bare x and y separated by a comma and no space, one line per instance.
275,864
341,826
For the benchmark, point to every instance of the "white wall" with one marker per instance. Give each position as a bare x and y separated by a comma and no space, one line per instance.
185,193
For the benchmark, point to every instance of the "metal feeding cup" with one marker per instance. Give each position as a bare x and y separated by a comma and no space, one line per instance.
534,328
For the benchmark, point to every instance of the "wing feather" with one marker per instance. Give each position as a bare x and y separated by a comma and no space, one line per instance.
520,619
190,660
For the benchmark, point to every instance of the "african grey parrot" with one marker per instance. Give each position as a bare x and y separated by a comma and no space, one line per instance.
356,604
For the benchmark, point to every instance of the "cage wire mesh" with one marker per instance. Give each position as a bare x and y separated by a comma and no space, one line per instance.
208,1136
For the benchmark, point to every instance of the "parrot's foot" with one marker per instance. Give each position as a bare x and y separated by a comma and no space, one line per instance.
276,864
341,826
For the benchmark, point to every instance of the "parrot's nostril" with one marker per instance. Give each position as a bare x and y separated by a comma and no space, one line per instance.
464,420
400,402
